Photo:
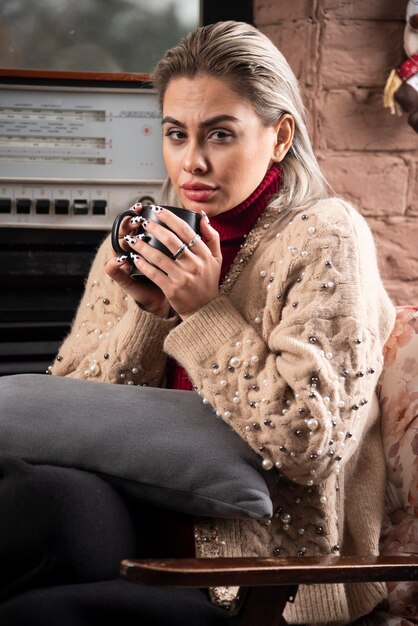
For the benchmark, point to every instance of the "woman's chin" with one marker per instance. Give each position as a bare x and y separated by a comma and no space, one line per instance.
198,207
211,209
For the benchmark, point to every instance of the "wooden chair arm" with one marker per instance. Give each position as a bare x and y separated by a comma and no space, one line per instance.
251,572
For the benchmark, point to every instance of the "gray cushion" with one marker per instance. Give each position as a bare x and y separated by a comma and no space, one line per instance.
163,446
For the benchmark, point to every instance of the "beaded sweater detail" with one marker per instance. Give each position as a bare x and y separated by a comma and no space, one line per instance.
289,356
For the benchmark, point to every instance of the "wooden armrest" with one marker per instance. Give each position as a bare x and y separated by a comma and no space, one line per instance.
250,572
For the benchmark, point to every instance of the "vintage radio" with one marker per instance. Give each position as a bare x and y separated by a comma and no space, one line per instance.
74,153
75,150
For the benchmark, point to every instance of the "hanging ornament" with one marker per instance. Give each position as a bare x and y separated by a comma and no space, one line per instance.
401,89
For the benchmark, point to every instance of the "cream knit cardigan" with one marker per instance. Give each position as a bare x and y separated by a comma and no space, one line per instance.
289,355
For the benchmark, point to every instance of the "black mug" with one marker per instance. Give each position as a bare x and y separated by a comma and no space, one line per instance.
148,212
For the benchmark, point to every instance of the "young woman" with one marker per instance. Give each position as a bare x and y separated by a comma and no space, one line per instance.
277,316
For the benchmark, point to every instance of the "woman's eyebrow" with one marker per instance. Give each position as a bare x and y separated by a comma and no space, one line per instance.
209,122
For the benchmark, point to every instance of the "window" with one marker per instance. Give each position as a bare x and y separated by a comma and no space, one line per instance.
92,35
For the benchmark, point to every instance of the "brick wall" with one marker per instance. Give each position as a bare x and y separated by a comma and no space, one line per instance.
342,52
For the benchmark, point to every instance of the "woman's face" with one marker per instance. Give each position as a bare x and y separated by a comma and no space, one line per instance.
216,148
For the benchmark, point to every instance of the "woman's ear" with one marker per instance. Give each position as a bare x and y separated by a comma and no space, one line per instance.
285,129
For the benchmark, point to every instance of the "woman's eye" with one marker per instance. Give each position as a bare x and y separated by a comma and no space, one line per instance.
220,135
176,135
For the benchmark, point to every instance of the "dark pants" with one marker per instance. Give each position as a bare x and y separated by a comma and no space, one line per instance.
63,533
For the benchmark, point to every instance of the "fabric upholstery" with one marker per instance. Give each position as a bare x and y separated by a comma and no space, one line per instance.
398,395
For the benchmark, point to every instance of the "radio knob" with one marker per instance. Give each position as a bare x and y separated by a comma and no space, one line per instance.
42,206
146,200
23,205
99,207
62,207
80,207
5,205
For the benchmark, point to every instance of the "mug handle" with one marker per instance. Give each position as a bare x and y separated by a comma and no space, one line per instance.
115,230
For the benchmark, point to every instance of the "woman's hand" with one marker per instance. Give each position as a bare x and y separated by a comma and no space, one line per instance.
191,280
148,296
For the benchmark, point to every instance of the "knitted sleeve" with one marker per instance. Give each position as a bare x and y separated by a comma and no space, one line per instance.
112,339
298,380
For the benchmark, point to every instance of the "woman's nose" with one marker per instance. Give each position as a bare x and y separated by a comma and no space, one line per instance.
195,160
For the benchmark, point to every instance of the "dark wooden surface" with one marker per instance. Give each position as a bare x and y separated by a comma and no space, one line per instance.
248,572
68,75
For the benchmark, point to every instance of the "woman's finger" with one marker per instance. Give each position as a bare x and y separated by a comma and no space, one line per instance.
173,241
212,239
119,269
147,295
183,232
152,255
130,223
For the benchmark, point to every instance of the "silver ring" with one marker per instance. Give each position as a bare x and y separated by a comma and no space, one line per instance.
194,241
179,252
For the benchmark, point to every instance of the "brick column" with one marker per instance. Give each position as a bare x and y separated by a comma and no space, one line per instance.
342,53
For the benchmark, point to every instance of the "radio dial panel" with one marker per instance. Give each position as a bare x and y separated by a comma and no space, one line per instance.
74,157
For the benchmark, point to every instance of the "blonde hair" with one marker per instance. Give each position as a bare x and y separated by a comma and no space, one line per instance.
257,71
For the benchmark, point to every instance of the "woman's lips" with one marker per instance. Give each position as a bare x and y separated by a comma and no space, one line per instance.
198,193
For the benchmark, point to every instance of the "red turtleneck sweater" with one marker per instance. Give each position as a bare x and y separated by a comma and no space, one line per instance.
233,226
